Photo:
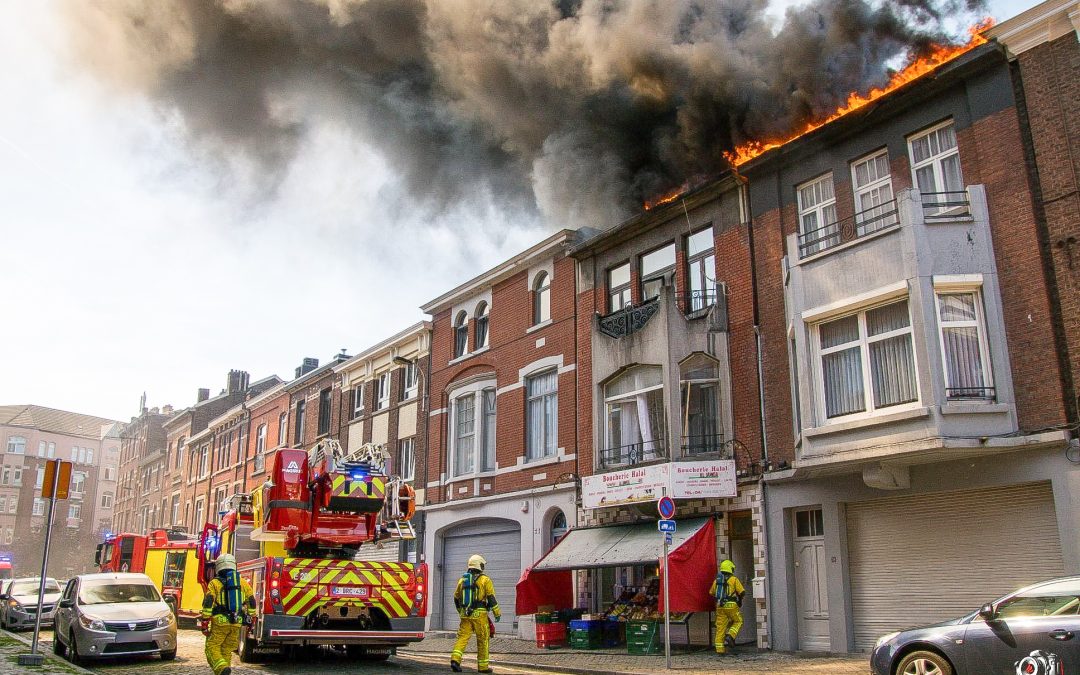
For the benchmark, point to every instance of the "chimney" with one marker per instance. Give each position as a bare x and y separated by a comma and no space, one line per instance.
307,366
154,410
167,410
342,357
204,394
238,381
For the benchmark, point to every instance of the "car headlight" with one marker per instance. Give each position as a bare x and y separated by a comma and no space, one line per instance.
164,621
885,638
14,604
91,623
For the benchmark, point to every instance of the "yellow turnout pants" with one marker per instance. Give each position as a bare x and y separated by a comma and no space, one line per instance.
476,622
222,641
728,622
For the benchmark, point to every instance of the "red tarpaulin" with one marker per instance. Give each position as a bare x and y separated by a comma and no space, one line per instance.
544,589
693,570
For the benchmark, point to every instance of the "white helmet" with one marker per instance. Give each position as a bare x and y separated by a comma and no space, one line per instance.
477,562
224,561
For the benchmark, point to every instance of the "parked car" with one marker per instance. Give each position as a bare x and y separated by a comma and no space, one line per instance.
112,615
20,602
1033,631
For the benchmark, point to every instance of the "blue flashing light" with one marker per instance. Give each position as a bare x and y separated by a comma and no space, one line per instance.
5,558
358,475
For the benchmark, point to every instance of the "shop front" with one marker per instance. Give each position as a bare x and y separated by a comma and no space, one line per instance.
623,564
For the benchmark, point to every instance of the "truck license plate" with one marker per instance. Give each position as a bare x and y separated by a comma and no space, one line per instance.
350,591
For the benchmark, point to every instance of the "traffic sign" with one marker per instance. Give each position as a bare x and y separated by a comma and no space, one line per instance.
666,507
61,470
665,525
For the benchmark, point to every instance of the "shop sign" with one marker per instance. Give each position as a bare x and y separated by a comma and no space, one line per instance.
641,484
699,480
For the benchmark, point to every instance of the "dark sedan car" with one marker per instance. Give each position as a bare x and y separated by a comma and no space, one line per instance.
1034,631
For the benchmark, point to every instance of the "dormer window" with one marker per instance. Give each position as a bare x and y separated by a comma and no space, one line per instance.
461,334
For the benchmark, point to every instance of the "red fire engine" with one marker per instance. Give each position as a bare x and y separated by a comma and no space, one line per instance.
296,540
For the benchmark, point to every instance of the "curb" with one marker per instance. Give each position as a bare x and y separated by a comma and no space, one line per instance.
47,653
428,657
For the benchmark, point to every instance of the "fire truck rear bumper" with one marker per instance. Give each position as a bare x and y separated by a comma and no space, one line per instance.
286,630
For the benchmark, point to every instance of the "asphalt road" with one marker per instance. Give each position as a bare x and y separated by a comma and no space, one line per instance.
190,659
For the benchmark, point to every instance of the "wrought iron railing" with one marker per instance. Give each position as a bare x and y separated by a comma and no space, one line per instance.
970,393
628,320
693,302
634,453
946,205
849,229
712,444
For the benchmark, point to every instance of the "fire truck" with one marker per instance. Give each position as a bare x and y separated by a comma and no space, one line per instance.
297,539
168,557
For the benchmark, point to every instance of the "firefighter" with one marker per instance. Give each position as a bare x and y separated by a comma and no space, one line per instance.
228,605
474,598
728,591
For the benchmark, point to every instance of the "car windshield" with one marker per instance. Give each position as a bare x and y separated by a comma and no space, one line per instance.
106,591
31,587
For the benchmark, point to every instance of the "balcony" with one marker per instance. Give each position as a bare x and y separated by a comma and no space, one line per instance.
628,320
971,393
633,454
946,205
862,224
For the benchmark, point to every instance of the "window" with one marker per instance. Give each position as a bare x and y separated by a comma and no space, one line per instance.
1055,599
701,265
963,342
283,428
106,500
89,455
41,449
541,298
487,458
558,529
5,477
358,400
16,478
260,448
636,428
179,459
461,334
411,381
867,361
78,482
13,504
40,480
175,512
874,206
3,504
52,450
809,523
464,434
9,536
935,162
324,412
618,279
110,473
39,507
654,265
298,432
74,511
16,445
382,391
699,396
204,460
817,215
481,330
542,412
199,521
407,458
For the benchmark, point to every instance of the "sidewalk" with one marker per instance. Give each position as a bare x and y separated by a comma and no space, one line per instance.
436,647
12,645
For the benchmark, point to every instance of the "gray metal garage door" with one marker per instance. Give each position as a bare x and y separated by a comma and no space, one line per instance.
499,541
927,558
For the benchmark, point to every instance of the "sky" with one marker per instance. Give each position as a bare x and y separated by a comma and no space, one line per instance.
133,260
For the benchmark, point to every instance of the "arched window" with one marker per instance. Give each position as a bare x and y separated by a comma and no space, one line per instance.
461,334
558,529
541,298
481,338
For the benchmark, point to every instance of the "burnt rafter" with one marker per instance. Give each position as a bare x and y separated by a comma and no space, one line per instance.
628,320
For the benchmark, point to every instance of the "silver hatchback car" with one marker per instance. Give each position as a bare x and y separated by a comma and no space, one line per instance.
113,615
20,602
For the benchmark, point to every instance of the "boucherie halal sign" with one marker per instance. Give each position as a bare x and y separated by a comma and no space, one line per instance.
680,480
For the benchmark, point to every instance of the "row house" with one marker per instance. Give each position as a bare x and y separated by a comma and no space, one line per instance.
914,403
142,455
32,435
668,381
384,402
502,452
268,415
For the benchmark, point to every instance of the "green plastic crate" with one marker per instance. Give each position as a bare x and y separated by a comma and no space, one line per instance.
544,618
582,639
652,648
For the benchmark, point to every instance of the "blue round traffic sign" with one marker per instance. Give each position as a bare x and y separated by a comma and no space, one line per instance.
666,507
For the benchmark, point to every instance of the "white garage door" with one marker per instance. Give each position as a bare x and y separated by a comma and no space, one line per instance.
927,558
499,541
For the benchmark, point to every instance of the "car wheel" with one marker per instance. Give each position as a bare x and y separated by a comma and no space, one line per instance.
58,647
169,655
924,663
73,650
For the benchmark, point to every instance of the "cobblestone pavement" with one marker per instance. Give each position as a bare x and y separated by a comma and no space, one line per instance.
509,655
10,648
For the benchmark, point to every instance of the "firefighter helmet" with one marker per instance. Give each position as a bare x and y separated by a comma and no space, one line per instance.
224,562
477,562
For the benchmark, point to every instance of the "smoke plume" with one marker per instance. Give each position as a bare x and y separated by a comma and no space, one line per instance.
580,109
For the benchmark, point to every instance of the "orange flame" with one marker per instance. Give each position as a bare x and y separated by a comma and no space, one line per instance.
939,55
666,197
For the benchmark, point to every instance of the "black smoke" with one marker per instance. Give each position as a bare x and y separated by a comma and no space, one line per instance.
580,109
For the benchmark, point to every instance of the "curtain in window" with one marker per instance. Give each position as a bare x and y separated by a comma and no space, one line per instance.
963,352
465,433
542,414
892,362
841,370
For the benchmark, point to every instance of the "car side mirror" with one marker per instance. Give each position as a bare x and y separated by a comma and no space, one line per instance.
3,596
987,613
67,603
